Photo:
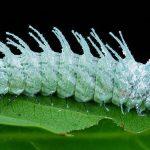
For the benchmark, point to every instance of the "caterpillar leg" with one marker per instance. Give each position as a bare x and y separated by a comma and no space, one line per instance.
134,103
147,103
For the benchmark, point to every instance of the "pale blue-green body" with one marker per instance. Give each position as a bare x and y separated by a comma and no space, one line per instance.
3,79
105,79
49,74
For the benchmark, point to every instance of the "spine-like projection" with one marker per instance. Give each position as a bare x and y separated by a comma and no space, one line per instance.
122,81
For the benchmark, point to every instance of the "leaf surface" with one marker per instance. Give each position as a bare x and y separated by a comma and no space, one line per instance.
63,116
106,135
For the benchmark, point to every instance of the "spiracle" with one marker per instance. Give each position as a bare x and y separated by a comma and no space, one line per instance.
122,81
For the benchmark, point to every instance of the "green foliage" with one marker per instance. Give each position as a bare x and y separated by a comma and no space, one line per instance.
106,135
29,123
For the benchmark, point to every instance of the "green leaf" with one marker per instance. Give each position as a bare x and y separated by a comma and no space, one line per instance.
106,135
52,114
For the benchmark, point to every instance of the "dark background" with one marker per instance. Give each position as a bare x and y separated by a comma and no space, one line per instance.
133,21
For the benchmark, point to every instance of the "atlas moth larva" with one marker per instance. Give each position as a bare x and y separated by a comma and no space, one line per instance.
122,81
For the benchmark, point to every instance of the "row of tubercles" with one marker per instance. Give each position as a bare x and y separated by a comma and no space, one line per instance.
82,91
76,75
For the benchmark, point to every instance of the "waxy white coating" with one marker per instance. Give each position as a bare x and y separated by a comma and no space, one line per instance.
122,82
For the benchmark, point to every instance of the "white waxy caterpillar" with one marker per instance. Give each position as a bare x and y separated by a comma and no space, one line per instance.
122,82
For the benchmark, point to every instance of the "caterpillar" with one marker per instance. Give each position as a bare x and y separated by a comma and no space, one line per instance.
121,81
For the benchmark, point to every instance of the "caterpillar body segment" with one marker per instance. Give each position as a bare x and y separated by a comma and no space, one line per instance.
30,66
122,81
86,73
3,79
105,71
12,78
49,64
67,68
